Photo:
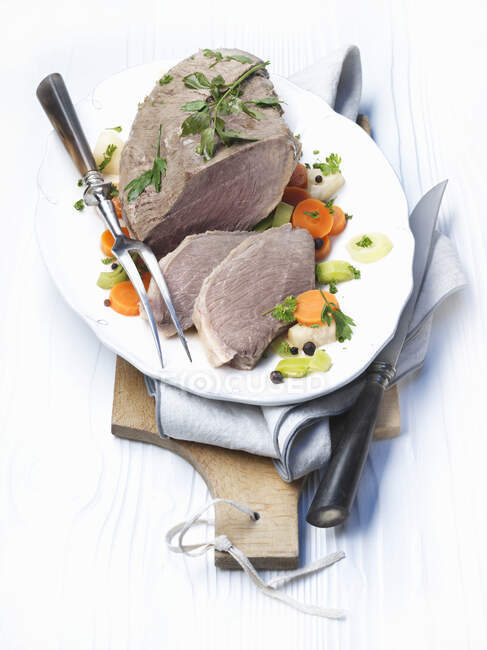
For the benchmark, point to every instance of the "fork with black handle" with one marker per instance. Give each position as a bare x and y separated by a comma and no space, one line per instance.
56,102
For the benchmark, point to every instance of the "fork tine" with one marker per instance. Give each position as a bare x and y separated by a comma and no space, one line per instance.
155,270
128,264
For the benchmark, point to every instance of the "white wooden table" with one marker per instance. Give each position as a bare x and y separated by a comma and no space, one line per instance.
83,515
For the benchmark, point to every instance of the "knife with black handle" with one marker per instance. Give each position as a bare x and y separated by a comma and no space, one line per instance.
334,497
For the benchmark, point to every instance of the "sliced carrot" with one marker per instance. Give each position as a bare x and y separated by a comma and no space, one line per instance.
339,221
299,177
107,241
117,206
293,195
124,299
322,252
146,278
314,216
310,305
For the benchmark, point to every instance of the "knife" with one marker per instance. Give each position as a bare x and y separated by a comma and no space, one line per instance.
56,102
334,497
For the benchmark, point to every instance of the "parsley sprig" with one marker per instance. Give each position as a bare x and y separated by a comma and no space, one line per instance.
206,115
330,166
284,311
107,156
365,242
218,56
153,176
314,215
342,321
165,79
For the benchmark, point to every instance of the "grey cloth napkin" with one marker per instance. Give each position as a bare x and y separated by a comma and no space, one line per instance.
297,437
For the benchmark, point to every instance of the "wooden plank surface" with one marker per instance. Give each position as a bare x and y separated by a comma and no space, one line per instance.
273,541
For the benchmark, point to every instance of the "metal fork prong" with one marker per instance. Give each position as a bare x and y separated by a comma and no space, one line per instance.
155,270
128,264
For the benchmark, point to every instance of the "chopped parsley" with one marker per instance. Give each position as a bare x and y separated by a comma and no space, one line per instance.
316,152
218,56
314,215
79,205
330,166
107,156
152,176
342,321
298,136
285,310
329,205
108,260
165,79
113,191
333,287
284,348
365,242
307,165
356,272
80,182
315,325
118,129
348,216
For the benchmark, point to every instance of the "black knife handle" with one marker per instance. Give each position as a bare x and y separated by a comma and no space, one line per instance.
56,102
334,497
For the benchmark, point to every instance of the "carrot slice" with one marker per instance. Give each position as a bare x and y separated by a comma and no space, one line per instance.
339,221
313,215
299,177
293,195
117,206
124,299
322,252
107,241
310,305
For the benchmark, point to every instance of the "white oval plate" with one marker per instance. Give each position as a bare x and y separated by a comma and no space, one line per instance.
69,242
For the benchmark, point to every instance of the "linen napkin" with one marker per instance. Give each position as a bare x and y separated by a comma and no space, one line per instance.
297,437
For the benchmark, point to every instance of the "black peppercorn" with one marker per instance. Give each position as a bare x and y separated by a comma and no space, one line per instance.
107,302
294,350
319,243
309,348
114,266
276,377
319,178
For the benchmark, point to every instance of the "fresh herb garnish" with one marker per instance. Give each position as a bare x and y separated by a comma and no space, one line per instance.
284,311
113,191
298,136
348,216
314,325
307,165
107,156
118,129
80,182
329,205
316,152
79,205
333,288
315,214
267,101
330,166
165,79
151,177
365,242
108,260
284,348
342,321
356,272
218,56
206,117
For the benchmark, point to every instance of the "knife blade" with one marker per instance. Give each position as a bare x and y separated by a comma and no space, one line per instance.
334,497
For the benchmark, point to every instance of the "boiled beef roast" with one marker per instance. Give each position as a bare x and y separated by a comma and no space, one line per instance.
236,188
185,269
255,276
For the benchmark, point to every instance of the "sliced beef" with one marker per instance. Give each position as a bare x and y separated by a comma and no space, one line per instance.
234,190
256,275
185,269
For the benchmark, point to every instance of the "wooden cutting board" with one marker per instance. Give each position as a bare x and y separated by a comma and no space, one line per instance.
273,541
